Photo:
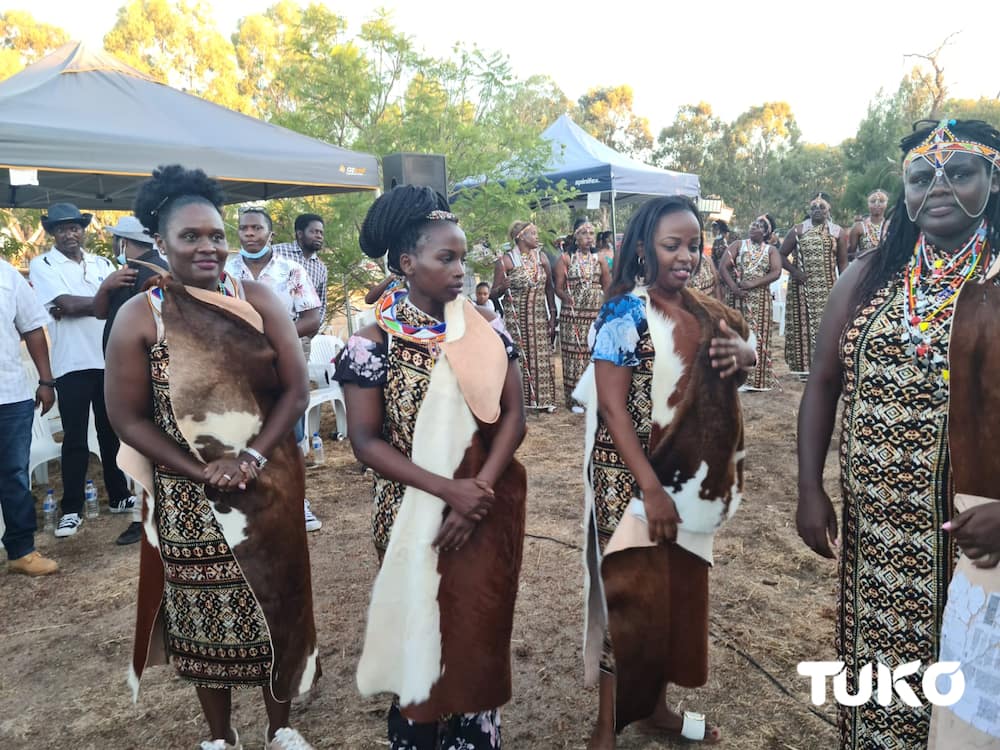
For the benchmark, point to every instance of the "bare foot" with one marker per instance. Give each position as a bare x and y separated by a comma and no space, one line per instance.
663,721
601,739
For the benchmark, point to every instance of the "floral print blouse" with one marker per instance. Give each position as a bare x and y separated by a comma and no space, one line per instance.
366,363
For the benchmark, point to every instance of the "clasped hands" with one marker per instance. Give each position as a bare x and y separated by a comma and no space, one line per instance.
469,501
230,474
730,353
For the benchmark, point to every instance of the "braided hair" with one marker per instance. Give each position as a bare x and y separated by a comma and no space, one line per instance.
170,188
397,220
642,229
896,247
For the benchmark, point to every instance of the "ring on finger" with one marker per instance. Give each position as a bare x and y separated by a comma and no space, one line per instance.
227,477
735,361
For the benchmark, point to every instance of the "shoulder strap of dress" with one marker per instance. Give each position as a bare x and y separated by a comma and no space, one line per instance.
154,297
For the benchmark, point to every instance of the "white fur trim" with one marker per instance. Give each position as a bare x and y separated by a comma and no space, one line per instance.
233,525
133,683
233,429
309,673
402,654
668,367
595,609
149,522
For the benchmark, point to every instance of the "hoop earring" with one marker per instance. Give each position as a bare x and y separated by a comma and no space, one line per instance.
640,276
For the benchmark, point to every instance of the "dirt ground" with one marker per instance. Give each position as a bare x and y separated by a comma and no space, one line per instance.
65,640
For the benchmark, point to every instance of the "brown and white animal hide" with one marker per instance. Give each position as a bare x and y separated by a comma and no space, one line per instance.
696,449
969,632
223,383
439,624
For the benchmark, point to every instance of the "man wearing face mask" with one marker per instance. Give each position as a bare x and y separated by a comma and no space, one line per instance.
66,280
130,243
288,280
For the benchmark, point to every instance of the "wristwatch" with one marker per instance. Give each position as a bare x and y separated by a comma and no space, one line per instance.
47,383
257,456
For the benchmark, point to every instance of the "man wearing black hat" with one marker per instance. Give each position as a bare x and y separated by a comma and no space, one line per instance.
66,279
131,244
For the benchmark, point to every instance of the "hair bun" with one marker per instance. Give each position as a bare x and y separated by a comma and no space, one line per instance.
393,217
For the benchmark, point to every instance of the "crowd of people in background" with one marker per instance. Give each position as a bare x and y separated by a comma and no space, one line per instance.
204,352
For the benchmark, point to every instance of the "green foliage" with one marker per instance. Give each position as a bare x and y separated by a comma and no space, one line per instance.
23,40
606,113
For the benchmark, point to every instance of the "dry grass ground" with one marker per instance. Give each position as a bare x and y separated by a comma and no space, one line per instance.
65,640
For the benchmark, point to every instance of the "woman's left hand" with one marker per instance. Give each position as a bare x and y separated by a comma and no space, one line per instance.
455,531
730,353
977,532
225,474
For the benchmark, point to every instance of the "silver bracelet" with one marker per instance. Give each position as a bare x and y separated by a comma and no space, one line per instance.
257,456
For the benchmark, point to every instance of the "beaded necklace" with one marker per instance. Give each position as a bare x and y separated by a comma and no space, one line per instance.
930,297
386,315
873,232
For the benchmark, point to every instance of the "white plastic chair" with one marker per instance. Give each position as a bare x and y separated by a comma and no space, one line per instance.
332,395
43,449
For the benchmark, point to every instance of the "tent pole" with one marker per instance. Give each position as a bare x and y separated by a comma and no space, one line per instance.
614,224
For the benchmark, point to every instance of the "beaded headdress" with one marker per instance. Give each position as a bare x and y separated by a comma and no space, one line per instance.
941,143
767,222
439,215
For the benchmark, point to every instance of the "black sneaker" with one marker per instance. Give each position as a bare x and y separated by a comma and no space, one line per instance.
123,506
131,535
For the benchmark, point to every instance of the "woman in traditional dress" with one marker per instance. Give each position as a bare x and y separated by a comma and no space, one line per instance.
748,272
884,343
523,274
706,278
820,254
663,469
865,234
580,278
206,379
435,408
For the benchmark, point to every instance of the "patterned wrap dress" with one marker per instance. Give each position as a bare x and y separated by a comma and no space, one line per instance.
706,280
583,280
895,562
402,368
871,235
216,633
816,256
753,262
527,320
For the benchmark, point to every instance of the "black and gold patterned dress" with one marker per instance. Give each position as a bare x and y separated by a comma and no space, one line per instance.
583,281
527,321
816,256
216,633
895,561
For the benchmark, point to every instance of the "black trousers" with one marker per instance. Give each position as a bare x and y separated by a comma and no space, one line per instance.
77,392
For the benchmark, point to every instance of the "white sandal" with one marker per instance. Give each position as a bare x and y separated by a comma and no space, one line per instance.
693,727
222,744
286,738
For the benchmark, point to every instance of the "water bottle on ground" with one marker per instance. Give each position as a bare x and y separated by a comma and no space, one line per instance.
49,511
90,500
319,457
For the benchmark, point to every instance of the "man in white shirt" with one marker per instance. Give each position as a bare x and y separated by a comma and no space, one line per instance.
257,261
66,279
21,317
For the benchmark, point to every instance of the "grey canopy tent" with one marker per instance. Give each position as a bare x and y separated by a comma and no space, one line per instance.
592,167
89,129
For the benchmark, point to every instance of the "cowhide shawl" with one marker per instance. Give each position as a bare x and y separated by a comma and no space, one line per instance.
969,632
223,384
696,449
439,624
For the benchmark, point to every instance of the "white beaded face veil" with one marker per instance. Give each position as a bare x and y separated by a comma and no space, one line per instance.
932,162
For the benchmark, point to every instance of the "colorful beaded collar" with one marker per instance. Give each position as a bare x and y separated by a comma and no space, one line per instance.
386,315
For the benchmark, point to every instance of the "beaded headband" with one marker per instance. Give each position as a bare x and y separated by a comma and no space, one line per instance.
439,215
939,146
524,229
